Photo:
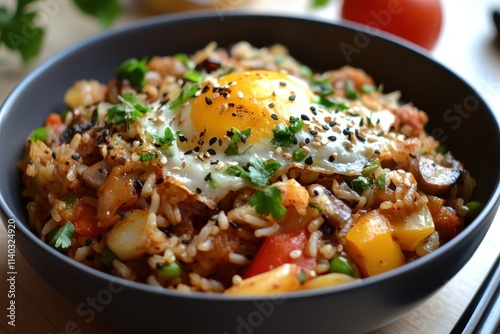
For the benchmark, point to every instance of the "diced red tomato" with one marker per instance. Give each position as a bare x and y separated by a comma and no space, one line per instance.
86,223
276,249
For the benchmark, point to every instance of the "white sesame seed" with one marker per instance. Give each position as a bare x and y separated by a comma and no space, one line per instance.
163,160
239,94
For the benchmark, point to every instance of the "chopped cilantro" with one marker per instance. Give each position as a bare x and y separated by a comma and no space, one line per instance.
185,94
134,71
323,87
361,183
147,156
184,58
316,206
193,76
284,136
39,134
305,71
93,118
104,11
268,202
62,236
238,136
257,171
69,200
131,109
442,149
107,257
349,91
167,139
371,167
368,89
333,103
380,183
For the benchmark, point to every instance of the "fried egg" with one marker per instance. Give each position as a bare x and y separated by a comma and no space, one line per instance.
251,105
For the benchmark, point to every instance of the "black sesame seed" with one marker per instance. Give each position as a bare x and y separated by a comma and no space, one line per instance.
234,224
185,241
99,238
234,114
274,116
316,193
109,147
325,127
212,141
198,191
413,155
214,162
378,151
75,156
230,105
307,140
332,123
208,177
304,117
271,105
214,217
54,155
159,265
295,141
208,100
205,89
122,213
360,138
88,242
282,83
346,132
188,152
332,138
138,185
211,151
313,132
197,149
309,160
182,138
160,180
331,158
230,133
292,97
312,108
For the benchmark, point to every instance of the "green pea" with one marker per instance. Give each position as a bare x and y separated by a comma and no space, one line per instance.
340,264
170,271
298,154
474,207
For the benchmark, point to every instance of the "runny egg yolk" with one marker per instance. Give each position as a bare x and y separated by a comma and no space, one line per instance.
258,100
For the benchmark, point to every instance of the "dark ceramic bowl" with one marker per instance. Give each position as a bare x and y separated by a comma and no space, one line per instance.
357,307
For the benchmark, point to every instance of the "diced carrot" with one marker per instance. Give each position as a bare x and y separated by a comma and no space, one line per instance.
86,223
53,119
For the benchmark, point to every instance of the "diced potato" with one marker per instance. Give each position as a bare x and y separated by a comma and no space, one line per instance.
287,277
327,280
369,243
412,229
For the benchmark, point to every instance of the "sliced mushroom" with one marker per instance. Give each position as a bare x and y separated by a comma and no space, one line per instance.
95,175
433,178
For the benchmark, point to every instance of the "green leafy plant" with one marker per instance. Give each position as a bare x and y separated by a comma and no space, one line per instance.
20,32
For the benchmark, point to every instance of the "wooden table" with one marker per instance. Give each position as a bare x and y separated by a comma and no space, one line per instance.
465,46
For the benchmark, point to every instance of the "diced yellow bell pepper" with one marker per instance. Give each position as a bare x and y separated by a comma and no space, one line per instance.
369,243
410,230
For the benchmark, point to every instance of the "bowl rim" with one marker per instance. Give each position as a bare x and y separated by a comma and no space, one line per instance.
5,109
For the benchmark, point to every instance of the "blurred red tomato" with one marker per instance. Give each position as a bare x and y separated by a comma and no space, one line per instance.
418,21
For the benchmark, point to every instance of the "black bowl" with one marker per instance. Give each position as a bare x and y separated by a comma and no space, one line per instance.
358,307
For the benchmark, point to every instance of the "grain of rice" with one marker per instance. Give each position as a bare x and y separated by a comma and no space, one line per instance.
222,220
147,187
169,256
151,280
82,252
99,246
386,205
322,267
267,231
237,259
255,221
121,268
205,245
295,254
191,250
313,243
155,202
315,224
49,226
161,221
327,251
236,279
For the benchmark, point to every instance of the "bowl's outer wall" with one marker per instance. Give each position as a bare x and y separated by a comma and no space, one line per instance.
360,308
